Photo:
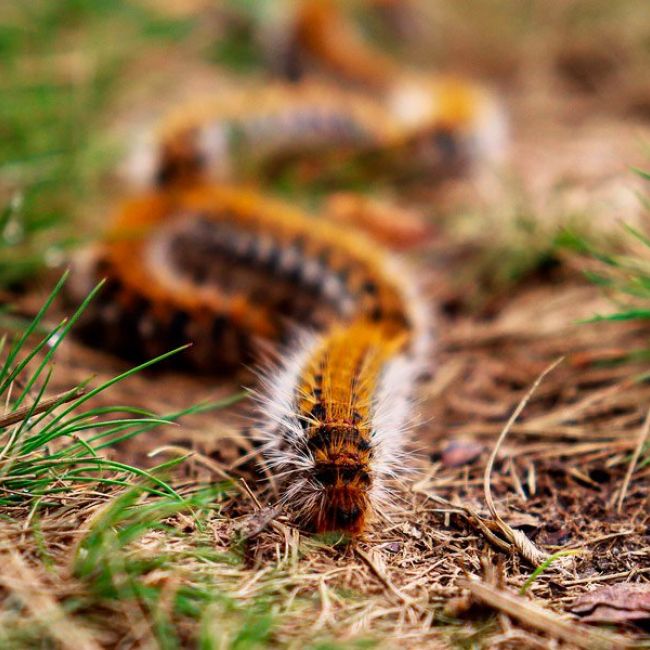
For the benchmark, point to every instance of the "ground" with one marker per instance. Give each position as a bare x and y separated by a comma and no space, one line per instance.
227,570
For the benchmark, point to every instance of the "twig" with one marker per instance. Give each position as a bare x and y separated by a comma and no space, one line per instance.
470,515
44,405
504,432
605,578
407,600
326,606
259,521
645,431
525,546
250,493
601,538
540,618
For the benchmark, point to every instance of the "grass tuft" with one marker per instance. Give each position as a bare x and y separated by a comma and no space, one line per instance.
44,450
624,276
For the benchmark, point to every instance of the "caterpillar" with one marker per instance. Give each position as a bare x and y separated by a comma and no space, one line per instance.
219,265
440,125
320,30
219,138
435,123
297,36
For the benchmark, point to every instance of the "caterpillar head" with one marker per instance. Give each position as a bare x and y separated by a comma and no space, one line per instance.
449,124
342,476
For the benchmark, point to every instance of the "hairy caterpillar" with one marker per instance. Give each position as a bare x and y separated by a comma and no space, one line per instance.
320,31
212,263
217,139
297,36
440,124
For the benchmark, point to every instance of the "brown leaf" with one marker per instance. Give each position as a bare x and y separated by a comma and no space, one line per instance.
621,603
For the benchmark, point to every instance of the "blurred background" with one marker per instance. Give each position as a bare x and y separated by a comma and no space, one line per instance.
83,80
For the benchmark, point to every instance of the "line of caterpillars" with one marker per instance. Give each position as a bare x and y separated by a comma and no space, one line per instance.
221,267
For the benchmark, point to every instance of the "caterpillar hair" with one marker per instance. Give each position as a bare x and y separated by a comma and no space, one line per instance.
218,266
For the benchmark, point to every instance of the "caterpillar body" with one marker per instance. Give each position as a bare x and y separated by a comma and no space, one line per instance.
440,125
218,139
219,266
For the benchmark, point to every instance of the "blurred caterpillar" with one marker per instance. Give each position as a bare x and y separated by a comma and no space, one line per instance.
438,124
317,32
222,266
441,125
220,138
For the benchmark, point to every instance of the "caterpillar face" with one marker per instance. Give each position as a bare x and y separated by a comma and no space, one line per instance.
342,473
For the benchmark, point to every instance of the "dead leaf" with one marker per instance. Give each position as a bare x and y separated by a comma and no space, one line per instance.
621,603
